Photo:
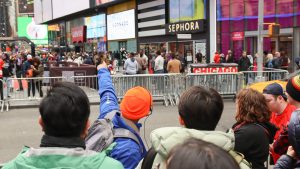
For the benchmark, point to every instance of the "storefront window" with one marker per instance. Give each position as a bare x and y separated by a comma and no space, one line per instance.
297,13
251,13
269,12
285,13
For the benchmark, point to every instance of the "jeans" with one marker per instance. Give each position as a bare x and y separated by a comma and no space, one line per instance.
39,84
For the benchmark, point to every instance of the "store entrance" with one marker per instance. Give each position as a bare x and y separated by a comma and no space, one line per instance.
185,49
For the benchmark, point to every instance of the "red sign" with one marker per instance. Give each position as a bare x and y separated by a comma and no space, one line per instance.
79,34
230,69
236,36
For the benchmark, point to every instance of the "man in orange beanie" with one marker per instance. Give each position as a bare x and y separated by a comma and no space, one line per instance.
135,105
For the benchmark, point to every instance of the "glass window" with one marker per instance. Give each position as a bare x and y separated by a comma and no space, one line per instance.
251,13
186,10
298,13
285,13
269,12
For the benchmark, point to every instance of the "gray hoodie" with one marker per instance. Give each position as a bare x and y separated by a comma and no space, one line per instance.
131,66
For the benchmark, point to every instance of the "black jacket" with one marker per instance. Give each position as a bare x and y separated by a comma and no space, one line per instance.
244,64
253,141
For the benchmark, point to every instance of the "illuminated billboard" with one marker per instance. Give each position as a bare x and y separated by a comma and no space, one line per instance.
100,2
96,26
121,25
187,10
36,33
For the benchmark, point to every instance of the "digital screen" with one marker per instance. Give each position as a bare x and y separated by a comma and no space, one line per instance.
121,25
99,2
37,33
96,26
187,10
25,6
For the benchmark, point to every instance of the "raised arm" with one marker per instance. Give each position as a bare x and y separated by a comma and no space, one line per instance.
108,98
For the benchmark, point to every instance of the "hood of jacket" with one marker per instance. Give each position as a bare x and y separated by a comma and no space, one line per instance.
59,158
164,139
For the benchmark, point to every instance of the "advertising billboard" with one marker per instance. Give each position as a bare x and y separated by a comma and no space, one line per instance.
25,6
187,10
36,33
96,26
121,25
99,2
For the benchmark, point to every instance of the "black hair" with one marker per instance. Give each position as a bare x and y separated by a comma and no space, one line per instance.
200,108
158,52
65,110
199,154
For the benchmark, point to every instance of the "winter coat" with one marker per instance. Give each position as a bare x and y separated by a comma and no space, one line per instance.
127,151
164,139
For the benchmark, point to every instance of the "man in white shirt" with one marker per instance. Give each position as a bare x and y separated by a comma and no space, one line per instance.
159,64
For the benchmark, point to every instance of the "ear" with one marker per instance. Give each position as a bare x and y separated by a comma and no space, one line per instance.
41,122
86,129
181,121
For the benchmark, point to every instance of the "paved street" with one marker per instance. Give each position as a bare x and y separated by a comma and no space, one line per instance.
19,127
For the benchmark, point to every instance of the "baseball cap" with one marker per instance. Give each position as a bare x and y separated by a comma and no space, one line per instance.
136,103
274,89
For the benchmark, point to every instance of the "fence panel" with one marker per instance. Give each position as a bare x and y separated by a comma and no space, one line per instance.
225,83
268,74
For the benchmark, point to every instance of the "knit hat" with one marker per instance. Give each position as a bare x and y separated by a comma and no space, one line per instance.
293,88
136,103
274,89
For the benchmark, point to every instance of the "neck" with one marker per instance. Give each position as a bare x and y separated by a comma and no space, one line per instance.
282,108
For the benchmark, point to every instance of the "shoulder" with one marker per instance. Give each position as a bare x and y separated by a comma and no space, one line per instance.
250,130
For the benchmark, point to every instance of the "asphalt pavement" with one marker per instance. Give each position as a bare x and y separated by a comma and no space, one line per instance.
19,127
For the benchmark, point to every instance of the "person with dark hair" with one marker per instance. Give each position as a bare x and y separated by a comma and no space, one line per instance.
200,110
64,117
38,71
281,112
187,155
253,131
291,159
136,104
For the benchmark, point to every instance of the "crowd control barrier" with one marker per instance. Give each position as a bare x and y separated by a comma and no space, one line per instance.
227,84
268,74
163,87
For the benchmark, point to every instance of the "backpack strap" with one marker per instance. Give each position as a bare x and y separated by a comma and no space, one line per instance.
149,159
111,115
124,133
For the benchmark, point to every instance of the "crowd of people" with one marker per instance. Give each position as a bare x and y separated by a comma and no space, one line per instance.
266,124
276,60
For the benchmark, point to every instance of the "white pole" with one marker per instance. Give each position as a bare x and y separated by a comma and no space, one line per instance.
260,39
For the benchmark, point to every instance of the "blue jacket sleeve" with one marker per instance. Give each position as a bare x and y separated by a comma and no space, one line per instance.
284,162
108,98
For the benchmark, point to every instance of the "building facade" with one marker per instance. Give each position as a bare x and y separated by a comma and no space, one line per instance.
237,26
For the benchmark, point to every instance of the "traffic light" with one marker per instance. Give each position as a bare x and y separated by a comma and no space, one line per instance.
274,30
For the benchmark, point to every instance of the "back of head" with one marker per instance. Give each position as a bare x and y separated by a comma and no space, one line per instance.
293,89
252,107
65,110
136,104
198,154
200,108
294,132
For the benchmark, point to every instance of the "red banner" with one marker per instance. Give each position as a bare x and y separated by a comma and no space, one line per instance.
79,34
236,36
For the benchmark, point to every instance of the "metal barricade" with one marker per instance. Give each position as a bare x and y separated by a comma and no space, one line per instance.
227,84
176,85
155,83
28,91
268,74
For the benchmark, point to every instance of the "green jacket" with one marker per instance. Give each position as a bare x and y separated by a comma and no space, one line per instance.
164,139
62,158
